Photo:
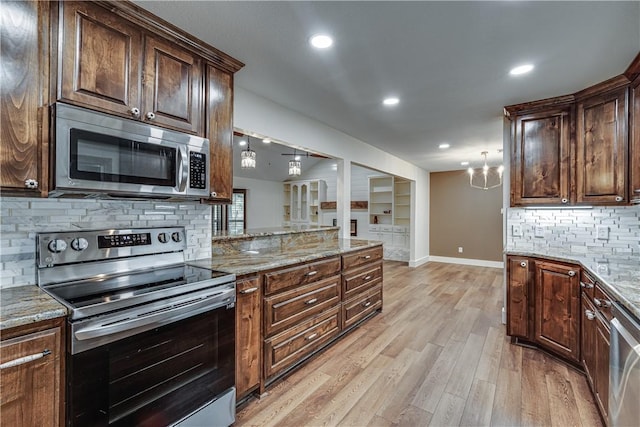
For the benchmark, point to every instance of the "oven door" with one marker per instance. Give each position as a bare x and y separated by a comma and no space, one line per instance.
155,378
97,153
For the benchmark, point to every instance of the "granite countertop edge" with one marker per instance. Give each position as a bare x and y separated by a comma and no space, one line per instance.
627,298
27,304
264,232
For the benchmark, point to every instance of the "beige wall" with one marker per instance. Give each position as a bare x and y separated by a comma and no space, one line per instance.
464,216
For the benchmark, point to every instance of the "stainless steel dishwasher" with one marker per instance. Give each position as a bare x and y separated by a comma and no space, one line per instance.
624,369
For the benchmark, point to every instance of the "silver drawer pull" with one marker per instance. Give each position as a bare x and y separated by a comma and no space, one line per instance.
310,337
311,273
366,304
601,303
366,257
586,285
590,314
249,290
311,301
367,277
25,359
571,273
619,198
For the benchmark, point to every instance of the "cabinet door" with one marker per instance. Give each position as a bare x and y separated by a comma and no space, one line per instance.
602,346
172,87
588,339
601,149
518,287
557,308
634,170
248,335
220,132
99,61
20,91
541,158
31,387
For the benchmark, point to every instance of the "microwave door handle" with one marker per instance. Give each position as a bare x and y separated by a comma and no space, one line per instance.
183,170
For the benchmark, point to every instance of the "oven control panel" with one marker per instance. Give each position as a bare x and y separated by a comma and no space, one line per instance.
96,245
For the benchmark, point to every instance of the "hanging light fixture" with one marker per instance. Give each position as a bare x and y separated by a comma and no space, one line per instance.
248,157
485,177
295,166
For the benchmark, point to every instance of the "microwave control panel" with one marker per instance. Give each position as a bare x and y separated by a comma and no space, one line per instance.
197,170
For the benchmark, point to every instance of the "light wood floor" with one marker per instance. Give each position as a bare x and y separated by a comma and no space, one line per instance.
437,355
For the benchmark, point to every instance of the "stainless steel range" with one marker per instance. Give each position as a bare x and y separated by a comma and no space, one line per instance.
151,339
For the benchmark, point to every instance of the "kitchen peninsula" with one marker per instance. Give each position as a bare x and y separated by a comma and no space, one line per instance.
298,290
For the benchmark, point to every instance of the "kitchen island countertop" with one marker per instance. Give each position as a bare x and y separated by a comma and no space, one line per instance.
252,261
619,276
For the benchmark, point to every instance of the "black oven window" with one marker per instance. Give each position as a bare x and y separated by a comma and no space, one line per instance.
104,158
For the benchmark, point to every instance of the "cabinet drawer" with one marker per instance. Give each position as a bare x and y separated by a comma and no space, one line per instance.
587,284
360,306
603,303
290,346
356,259
359,280
287,308
300,275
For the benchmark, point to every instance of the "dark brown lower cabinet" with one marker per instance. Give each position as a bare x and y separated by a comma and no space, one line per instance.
248,334
518,288
602,345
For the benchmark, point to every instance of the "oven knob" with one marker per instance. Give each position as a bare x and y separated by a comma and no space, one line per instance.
79,244
176,236
163,237
57,245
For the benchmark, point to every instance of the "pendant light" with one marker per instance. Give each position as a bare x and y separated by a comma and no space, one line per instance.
248,157
486,177
295,166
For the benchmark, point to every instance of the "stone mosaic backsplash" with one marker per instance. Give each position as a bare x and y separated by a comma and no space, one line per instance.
576,231
21,218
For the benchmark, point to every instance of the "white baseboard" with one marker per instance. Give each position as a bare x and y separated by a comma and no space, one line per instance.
467,261
418,262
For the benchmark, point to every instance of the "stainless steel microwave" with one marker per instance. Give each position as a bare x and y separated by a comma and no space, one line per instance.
99,155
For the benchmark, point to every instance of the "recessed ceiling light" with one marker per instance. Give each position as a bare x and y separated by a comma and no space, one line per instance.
444,145
242,142
391,101
321,41
521,69
266,141
464,163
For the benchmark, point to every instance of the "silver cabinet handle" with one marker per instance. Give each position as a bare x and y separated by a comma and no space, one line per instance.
311,301
564,200
619,198
601,303
590,314
367,277
597,302
366,304
311,273
571,273
310,337
365,256
135,112
31,184
25,359
151,115
248,290
523,264
586,285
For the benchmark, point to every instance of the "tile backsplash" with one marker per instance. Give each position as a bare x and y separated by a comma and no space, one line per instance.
22,218
576,230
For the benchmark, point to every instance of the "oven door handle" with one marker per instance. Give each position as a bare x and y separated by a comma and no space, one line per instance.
175,311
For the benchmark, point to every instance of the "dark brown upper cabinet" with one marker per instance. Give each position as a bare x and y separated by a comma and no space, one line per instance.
601,148
111,65
634,141
541,157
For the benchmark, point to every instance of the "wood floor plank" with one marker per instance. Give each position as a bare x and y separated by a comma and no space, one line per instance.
436,355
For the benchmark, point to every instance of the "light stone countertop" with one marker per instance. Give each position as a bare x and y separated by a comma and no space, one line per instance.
619,276
269,231
252,261
27,304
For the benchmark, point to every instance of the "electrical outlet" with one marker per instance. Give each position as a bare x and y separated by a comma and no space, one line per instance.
602,232
459,249
516,230
538,231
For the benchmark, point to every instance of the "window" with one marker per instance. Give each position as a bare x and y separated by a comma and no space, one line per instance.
233,217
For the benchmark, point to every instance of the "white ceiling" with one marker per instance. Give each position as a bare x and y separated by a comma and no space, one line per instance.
448,62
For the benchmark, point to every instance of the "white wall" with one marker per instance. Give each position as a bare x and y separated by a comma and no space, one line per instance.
264,201
257,114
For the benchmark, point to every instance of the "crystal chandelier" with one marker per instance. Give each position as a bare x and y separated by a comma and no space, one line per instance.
485,177
248,157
